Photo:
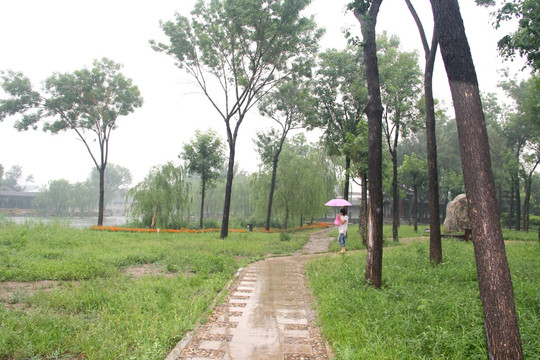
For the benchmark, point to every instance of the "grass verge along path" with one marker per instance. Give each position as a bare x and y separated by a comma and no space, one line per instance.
421,312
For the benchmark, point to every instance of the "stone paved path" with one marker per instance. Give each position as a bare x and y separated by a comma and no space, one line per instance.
267,314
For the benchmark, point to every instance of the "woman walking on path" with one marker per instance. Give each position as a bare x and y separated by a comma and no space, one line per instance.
344,222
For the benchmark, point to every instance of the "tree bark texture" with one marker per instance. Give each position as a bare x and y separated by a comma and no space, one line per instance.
494,281
374,112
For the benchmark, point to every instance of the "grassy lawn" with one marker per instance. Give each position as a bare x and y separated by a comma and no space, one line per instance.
69,293
421,312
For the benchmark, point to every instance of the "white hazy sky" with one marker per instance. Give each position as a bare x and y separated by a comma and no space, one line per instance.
41,37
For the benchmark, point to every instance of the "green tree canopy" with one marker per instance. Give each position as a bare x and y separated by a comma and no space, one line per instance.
88,102
204,157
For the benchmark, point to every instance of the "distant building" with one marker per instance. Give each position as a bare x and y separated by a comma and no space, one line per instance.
12,201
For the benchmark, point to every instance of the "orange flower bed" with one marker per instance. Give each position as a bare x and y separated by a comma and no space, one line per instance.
199,231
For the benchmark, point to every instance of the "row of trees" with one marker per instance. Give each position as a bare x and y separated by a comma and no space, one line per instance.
82,198
305,179
246,49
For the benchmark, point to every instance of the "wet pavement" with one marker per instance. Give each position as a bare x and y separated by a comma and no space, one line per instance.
267,315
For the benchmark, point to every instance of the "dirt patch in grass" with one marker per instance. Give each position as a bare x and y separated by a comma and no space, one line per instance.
13,293
147,270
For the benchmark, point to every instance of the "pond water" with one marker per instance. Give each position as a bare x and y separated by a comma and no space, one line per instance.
75,222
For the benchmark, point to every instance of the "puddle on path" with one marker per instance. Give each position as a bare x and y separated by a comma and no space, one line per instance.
267,314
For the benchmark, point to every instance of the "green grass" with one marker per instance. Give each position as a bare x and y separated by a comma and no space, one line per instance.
94,309
421,312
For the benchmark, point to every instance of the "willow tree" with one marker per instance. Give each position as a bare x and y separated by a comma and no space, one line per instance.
163,198
236,51
87,102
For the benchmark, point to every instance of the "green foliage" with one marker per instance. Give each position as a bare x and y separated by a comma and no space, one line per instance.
305,180
413,171
525,39
421,311
162,199
94,308
204,156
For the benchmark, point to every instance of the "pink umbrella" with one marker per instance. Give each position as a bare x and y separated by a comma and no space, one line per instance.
338,202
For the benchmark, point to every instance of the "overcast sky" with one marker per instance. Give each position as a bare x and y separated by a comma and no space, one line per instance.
41,37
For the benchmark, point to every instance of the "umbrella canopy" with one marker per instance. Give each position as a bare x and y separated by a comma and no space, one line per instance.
338,202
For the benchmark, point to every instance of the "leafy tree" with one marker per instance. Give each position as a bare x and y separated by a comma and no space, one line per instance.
162,199
414,173
287,106
248,47
400,85
14,176
366,13
204,157
340,94
88,102
494,280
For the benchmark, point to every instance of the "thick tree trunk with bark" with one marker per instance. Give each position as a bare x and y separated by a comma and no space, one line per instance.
374,111
494,281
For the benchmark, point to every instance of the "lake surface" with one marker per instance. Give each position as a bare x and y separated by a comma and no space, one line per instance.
75,222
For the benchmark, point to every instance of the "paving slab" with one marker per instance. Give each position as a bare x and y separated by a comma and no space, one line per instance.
267,314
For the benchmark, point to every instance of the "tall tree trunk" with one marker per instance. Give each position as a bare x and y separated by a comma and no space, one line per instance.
203,193
347,178
395,196
435,246
271,195
101,210
228,192
494,281
374,111
415,208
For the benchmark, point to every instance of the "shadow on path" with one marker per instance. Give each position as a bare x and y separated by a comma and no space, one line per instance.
267,314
